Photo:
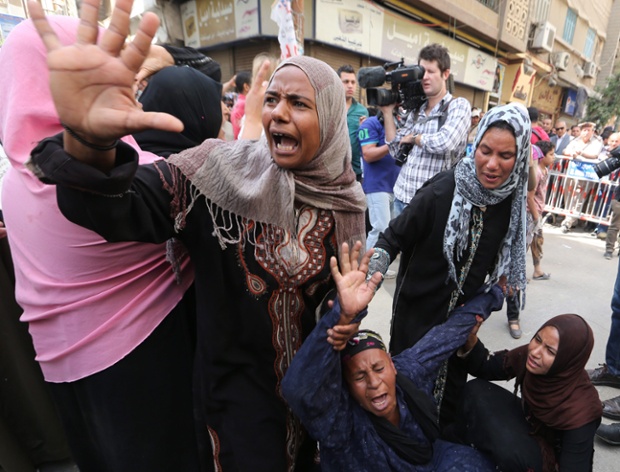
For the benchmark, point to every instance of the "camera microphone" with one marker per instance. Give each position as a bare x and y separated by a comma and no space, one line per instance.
371,76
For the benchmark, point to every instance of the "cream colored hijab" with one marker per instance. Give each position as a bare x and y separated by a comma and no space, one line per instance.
241,181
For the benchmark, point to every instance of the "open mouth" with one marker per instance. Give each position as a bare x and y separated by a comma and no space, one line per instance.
380,401
284,142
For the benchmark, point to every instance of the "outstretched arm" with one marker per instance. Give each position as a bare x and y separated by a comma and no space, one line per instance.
422,360
91,81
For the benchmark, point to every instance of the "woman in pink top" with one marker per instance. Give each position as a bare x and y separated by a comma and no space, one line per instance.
544,158
109,321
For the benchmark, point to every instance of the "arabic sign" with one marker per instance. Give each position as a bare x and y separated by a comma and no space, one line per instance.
351,24
209,22
480,70
7,23
282,14
582,170
545,98
246,18
216,21
405,39
521,83
360,26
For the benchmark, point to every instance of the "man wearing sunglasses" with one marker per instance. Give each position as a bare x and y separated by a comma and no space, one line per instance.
561,138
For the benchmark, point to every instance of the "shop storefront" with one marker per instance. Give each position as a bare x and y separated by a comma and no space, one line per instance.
355,32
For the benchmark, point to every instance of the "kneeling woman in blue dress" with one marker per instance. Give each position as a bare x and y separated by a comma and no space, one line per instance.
370,411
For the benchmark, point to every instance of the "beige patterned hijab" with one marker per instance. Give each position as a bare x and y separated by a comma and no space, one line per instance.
241,181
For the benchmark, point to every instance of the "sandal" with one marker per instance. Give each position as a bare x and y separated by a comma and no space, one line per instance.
543,276
515,329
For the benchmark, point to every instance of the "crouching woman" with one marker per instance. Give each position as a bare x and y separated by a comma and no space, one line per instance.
551,426
367,410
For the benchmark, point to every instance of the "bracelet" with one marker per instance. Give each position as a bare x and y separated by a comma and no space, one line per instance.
88,144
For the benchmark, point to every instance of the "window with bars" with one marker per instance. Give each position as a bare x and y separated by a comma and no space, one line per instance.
590,45
569,26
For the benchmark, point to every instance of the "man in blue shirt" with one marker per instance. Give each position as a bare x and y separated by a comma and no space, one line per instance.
380,173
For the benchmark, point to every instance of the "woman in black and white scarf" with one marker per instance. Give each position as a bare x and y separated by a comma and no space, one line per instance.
463,229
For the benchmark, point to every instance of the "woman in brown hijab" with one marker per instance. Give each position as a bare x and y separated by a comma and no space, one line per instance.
552,425
259,219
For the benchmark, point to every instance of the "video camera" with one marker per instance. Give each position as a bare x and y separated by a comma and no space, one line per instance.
406,83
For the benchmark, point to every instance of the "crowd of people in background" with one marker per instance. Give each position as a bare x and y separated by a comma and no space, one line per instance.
193,264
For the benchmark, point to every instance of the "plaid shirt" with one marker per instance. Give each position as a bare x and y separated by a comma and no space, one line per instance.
432,156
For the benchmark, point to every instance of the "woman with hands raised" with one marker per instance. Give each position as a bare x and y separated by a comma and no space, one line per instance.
110,322
368,410
260,220
92,83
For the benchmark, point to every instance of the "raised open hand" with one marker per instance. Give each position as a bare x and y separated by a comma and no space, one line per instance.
91,82
253,125
354,292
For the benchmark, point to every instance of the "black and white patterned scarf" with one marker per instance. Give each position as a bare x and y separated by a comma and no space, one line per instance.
469,192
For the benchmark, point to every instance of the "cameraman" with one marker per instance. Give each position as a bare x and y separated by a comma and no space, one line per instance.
432,147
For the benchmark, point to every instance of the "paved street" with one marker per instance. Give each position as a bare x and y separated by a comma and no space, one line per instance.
581,282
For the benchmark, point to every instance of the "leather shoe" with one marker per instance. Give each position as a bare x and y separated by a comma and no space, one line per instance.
610,433
602,376
611,408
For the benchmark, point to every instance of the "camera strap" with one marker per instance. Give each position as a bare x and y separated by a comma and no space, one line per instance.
441,116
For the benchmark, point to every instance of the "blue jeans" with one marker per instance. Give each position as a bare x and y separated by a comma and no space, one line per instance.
612,352
399,206
380,206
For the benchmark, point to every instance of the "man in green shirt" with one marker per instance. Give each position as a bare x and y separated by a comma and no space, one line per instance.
355,112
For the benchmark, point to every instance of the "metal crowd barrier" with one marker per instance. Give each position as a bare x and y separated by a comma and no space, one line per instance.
574,190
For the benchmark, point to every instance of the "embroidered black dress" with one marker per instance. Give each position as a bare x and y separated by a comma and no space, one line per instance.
254,307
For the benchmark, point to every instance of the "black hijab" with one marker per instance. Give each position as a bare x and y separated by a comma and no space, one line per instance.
188,95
